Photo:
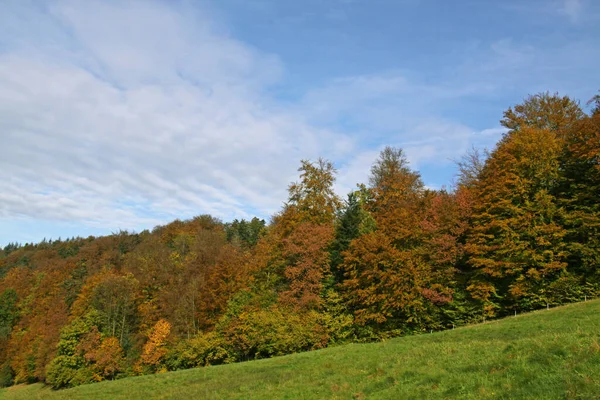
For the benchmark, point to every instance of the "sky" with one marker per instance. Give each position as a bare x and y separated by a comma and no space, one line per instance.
123,115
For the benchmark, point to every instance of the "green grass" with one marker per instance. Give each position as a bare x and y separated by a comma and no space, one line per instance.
549,354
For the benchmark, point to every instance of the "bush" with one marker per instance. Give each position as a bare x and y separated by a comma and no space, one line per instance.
7,375
273,332
61,371
204,349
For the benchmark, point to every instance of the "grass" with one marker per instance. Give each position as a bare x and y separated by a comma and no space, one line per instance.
549,354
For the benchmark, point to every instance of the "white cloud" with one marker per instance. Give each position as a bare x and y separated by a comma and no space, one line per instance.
495,132
148,115
355,171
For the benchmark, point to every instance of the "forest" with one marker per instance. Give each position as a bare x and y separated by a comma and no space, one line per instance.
519,230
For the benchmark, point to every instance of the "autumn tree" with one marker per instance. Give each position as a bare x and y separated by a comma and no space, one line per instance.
312,199
305,251
155,349
578,192
301,234
470,167
103,355
388,283
396,194
517,240
115,299
543,111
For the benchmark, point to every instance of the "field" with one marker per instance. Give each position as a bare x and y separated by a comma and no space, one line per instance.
549,354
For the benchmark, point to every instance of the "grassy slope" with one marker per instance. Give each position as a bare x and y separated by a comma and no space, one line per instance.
543,355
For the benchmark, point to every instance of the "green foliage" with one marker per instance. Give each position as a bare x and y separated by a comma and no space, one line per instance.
336,318
68,248
7,375
8,312
115,301
9,248
272,332
245,233
68,368
199,351
73,284
351,223
72,334
67,371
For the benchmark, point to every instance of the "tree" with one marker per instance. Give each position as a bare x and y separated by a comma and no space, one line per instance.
104,356
517,241
297,243
313,198
470,167
115,299
386,288
388,283
578,192
396,197
245,233
8,312
69,367
307,264
543,111
353,221
155,349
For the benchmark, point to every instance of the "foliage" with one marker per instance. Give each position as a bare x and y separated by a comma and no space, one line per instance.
155,348
7,375
272,332
307,259
199,351
8,312
69,367
517,241
353,221
245,233
312,199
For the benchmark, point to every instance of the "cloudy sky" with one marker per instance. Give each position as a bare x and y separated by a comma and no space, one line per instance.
122,114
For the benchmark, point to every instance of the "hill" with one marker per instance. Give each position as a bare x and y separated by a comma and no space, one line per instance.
519,231
549,354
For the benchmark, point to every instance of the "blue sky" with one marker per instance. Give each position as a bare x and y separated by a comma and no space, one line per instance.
128,114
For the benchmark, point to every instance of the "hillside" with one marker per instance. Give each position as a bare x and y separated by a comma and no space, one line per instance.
519,231
545,354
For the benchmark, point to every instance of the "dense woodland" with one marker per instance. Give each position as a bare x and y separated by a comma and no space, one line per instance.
518,231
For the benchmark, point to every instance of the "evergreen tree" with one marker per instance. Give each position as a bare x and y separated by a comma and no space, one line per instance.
350,224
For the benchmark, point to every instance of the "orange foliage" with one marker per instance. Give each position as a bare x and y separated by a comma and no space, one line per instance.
305,250
155,348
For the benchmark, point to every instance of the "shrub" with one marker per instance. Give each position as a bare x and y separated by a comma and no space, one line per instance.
204,349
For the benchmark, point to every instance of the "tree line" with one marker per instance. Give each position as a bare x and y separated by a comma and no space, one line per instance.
519,231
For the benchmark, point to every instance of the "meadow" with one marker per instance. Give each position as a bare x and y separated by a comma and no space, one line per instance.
547,354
